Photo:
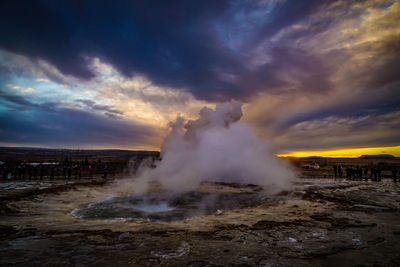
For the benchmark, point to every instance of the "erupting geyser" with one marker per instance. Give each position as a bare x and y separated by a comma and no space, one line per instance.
215,147
204,161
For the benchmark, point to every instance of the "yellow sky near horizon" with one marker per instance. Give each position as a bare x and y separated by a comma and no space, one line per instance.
345,152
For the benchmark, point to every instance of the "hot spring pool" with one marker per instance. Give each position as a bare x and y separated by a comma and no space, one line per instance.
162,206
153,207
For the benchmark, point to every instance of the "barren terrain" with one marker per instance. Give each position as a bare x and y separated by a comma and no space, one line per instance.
321,222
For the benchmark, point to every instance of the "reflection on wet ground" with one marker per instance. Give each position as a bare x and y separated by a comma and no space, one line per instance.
319,222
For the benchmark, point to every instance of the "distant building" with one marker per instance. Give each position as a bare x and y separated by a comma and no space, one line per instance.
311,165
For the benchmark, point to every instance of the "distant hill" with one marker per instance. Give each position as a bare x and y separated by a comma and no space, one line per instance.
76,152
380,156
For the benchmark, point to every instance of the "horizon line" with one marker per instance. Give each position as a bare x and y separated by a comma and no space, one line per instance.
328,153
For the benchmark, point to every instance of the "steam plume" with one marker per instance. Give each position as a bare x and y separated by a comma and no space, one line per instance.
216,147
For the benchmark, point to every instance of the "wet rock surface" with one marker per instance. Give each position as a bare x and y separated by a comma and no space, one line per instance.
321,222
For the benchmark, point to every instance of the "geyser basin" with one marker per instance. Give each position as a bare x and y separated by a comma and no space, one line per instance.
164,206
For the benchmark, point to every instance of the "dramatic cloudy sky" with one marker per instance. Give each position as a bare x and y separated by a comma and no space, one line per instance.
313,74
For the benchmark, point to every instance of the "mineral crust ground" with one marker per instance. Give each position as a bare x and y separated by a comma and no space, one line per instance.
320,222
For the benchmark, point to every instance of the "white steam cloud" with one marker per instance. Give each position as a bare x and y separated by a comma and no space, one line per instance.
215,147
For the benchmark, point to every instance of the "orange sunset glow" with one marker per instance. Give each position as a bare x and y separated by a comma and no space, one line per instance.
346,152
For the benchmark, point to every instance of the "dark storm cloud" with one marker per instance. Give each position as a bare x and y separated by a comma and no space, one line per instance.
16,99
384,67
354,109
351,131
30,28
284,16
65,126
295,63
174,43
21,103
289,69
109,110
50,123
378,81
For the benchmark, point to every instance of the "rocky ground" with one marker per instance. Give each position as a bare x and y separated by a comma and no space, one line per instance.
321,222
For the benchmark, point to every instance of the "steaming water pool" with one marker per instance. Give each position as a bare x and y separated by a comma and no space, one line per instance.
153,208
160,206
